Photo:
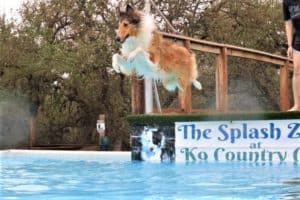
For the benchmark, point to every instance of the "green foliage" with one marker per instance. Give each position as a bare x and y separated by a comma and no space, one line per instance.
247,23
59,60
169,120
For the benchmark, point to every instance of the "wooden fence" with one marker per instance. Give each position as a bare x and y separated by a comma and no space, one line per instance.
222,51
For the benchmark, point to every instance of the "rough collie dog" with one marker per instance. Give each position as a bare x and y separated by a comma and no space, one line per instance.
146,53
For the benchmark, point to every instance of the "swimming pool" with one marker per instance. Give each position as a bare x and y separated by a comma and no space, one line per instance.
97,175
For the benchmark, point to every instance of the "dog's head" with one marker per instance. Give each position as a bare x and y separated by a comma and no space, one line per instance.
129,19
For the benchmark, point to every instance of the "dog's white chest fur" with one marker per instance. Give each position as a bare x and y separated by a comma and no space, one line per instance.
129,46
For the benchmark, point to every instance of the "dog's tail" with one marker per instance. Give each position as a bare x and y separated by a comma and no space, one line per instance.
194,81
197,84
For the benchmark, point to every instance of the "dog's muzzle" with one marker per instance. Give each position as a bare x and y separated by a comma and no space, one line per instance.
118,39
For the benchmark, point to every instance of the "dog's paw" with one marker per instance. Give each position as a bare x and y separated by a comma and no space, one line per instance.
126,71
115,63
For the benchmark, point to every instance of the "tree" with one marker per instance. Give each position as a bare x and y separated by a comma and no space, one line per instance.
59,61
67,69
247,23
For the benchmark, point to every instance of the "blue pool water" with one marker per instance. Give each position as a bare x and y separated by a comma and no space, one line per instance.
87,176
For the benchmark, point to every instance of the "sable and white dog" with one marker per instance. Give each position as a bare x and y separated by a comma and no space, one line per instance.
145,52
151,151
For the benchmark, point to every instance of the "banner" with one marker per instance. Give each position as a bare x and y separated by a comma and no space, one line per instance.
247,141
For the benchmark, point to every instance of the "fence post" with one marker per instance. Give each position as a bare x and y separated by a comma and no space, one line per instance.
222,81
137,95
284,88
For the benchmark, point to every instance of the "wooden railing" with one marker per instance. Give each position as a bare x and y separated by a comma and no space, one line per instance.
222,51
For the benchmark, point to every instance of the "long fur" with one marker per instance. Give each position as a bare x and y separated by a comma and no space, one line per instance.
145,52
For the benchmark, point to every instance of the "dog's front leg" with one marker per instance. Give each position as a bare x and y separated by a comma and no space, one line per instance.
115,62
137,51
121,65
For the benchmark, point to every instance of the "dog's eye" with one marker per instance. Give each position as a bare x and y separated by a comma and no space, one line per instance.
125,24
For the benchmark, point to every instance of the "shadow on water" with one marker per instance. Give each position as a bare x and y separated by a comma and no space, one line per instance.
292,187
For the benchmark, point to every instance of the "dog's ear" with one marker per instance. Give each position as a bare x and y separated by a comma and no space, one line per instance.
122,9
130,14
134,17
129,9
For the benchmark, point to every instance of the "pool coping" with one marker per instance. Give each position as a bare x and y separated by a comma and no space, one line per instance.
65,152
73,155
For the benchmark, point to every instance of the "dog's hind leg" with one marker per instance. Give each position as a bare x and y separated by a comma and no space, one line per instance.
182,98
185,95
